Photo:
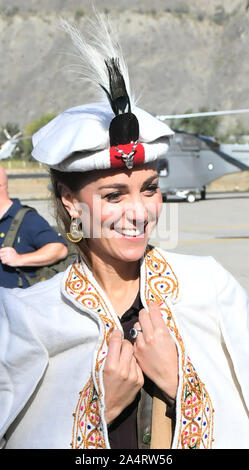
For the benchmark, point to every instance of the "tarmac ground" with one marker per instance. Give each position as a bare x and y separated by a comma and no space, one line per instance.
217,226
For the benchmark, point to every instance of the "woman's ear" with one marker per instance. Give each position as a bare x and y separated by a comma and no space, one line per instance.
68,200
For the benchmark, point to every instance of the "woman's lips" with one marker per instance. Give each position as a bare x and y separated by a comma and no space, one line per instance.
131,233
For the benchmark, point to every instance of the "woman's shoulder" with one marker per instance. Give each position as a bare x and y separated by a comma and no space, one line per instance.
200,274
39,293
40,308
179,261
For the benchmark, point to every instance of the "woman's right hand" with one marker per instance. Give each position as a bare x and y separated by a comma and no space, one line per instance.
122,376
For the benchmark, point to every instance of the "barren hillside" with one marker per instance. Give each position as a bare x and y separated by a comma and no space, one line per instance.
181,54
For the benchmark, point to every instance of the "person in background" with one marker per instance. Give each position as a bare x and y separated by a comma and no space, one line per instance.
36,244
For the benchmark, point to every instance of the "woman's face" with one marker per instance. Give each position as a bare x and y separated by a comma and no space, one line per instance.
119,210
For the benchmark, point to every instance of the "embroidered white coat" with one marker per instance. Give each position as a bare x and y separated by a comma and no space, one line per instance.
54,339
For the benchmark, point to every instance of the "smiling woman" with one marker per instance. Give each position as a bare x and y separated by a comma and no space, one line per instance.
142,345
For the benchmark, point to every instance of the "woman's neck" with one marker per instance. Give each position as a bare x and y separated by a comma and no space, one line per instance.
119,280
114,273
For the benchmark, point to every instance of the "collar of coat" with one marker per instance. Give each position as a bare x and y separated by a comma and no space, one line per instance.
159,283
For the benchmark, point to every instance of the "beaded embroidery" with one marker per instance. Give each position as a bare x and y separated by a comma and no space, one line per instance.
196,420
87,428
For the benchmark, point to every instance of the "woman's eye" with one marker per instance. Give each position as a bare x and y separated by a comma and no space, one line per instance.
152,188
113,196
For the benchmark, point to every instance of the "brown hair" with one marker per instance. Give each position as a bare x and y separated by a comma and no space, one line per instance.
74,181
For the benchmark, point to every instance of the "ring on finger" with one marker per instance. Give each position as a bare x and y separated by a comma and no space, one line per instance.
134,332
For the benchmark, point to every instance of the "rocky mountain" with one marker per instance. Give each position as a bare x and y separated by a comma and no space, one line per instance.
181,55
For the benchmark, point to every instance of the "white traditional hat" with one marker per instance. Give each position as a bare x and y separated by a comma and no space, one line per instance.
111,134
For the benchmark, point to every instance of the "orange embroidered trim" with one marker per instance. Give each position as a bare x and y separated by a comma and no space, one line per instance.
87,426
196,421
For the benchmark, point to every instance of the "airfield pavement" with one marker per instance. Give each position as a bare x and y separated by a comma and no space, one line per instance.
217,226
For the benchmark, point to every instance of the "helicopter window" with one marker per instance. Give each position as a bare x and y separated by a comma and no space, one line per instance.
175,143
191,143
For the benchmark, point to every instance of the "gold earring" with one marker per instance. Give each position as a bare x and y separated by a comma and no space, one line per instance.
75,235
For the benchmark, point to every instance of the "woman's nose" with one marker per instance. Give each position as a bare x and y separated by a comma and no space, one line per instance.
136,212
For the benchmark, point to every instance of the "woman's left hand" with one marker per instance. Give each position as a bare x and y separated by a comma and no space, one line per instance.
155,350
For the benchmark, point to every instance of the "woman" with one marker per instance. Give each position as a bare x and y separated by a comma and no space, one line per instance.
129,339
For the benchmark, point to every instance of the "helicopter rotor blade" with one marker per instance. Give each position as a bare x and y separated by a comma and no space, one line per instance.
208,113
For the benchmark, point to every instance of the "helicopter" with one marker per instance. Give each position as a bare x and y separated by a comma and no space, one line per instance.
193,161
8,147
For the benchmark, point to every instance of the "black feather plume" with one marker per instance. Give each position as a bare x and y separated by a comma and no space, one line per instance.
124,128
117,96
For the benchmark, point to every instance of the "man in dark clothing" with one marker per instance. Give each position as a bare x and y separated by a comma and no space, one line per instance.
36,244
